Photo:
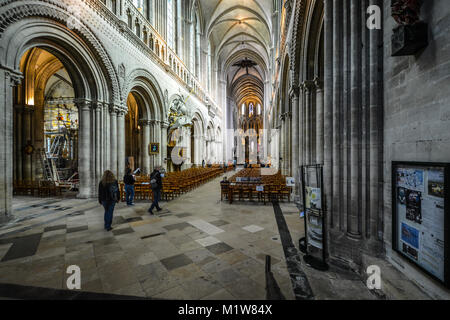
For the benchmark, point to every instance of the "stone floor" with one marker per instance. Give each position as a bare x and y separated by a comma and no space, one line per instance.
197,248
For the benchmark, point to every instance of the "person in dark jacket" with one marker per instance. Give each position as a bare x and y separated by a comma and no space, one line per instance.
156,184
108,196
129,181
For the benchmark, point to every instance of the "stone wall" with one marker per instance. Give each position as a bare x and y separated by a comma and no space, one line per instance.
416,114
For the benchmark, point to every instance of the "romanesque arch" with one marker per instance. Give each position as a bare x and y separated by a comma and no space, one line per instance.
89,67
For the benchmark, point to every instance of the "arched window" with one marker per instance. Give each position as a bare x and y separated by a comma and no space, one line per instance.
192,46
138,28
170,24
114,6
259,109
130,20
145,33
139,4
209,68
251,109
243,109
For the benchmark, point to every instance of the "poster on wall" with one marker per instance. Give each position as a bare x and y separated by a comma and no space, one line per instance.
420,216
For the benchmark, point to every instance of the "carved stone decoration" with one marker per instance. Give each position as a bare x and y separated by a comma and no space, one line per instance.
411,35
406,12
57,11
179,115
122,71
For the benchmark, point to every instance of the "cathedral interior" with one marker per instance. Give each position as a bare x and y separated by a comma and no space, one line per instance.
329,119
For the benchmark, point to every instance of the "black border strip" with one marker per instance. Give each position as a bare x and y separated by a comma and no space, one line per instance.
300,283
20,292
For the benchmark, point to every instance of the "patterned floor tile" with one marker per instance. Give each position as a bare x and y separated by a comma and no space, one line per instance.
253,228
118,232
208,241
219,248
176,261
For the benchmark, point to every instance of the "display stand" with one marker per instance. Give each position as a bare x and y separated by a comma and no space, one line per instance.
315,239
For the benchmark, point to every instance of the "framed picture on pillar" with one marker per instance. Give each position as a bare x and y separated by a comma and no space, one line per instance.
420,216
153,148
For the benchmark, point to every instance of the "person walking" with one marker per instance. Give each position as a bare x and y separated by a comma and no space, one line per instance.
156,184
108,196
129,181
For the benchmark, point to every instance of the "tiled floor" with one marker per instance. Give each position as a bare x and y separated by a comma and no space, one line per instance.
197,248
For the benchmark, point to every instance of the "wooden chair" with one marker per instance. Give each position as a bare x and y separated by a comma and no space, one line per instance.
224,191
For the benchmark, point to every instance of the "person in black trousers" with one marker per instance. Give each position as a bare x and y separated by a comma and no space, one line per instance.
156,184
108,196
129,181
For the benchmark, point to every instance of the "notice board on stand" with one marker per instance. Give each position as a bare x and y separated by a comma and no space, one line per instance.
420,216
313,204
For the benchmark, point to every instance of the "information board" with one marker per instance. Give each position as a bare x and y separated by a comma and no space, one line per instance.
420,215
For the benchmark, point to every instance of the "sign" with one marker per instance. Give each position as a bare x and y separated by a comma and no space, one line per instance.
290,182
313,198
154,148
420,216
260,188
312,184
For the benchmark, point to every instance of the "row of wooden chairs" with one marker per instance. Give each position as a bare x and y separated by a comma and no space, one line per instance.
248,192
41,188
274,187
178,183
174,183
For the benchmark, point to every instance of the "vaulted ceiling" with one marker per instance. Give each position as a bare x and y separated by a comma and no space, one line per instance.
240,30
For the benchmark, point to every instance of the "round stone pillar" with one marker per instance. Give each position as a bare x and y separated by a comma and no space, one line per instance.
121,143
84,149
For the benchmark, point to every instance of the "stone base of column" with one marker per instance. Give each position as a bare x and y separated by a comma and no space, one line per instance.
5,217
85,194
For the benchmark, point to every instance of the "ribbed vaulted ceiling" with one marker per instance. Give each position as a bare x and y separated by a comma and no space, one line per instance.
240,30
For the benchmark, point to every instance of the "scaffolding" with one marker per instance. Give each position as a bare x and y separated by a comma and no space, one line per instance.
60,157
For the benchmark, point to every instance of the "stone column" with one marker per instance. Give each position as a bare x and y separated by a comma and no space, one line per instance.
376,222
121,153
98,140
309,87
282,143
337,106
152,140
319,121
328,110
295,129
113,139
84,149
19,142
163,145
27,138
288,146
9,79
158,140
301,124
106,138
145,124
354,215
188,145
